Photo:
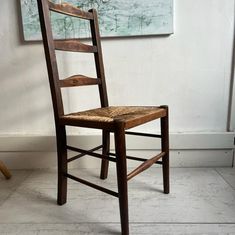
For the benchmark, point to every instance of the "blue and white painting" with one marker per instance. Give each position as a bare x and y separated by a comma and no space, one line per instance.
116,18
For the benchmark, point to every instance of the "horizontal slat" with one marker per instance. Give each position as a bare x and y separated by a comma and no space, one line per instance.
74,45
143,134
145,166
70,10
105,190
90,153
78,80
136,158
83,154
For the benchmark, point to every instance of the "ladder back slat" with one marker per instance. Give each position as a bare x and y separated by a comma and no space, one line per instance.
78,80
74,45
68,9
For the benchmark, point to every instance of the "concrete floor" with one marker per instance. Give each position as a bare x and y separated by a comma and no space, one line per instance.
202,201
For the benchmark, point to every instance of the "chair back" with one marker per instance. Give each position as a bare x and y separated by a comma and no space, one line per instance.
72,45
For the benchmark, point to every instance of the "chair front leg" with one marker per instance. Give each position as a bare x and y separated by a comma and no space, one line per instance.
120,147
62,165
105,151
165,148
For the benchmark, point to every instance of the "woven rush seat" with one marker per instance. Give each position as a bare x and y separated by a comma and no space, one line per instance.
126,114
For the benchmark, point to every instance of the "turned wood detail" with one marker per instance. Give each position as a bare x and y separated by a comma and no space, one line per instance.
4,170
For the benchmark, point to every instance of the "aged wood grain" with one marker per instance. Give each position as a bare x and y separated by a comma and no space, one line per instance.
78,80
68,9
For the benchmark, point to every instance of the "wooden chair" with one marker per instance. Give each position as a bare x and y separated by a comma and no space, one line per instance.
107,118
5,171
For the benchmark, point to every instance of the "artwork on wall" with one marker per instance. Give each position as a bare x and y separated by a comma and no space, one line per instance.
116,18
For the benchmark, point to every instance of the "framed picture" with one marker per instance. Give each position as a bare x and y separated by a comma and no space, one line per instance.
117,18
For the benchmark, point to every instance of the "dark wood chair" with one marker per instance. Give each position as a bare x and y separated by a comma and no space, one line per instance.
110,119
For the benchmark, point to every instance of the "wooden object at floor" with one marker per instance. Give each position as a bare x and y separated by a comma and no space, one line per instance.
5,171
109,119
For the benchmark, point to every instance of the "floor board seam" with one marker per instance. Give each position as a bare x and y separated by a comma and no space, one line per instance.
147,223
224,178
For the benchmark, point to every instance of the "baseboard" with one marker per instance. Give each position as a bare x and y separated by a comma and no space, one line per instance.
187,150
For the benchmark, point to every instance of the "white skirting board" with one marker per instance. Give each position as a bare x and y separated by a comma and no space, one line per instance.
187,150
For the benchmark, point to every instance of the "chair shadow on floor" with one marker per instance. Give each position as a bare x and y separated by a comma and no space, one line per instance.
47,202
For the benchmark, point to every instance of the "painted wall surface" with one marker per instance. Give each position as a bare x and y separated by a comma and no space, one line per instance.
116,18
189,71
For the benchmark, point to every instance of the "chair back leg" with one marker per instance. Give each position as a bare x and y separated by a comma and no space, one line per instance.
105,151
62,165
165,148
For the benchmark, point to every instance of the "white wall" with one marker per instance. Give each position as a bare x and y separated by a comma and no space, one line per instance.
189,70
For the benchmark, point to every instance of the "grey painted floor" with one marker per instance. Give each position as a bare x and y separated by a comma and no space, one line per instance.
202,201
